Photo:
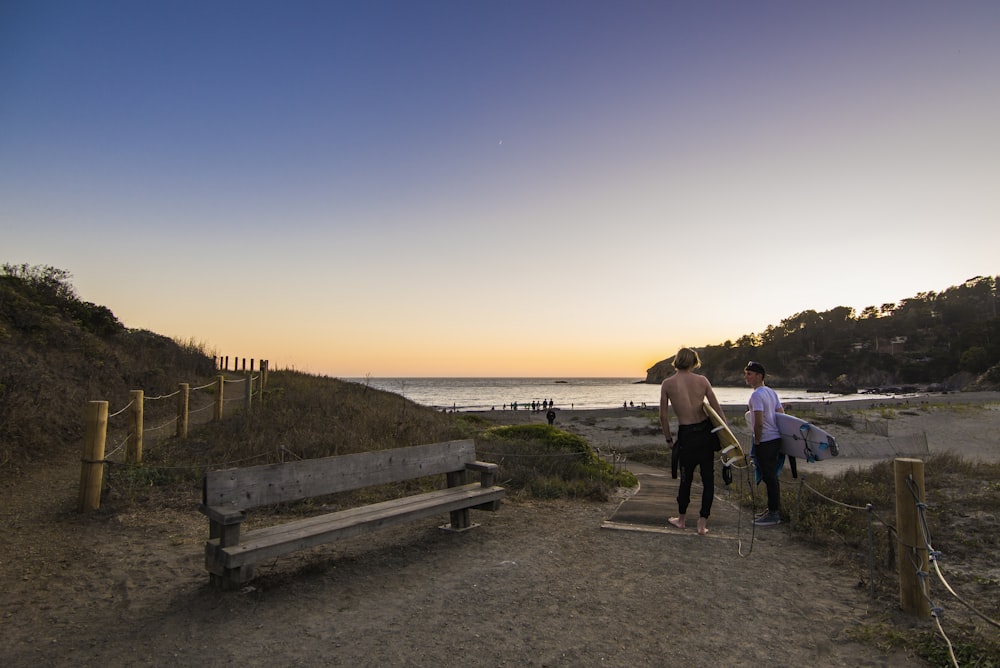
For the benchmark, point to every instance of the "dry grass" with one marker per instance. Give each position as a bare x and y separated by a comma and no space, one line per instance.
305,417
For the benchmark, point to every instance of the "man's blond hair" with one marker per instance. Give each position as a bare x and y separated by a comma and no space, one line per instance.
686,359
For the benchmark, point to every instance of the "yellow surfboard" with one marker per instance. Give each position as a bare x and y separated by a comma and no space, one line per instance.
732,452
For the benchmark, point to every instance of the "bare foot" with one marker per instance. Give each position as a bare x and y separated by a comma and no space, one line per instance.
677,522
702,529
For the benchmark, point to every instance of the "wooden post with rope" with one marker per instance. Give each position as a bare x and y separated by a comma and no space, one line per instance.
912,558
248,391
92,470
220,384
133,454
183,396
261,375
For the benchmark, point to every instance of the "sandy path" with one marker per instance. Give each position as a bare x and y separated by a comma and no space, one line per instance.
538,584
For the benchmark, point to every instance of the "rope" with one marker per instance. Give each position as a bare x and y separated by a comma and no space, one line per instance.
872,515
951,650
202,387
118,447
163,396
199,410
961,600
739,517
834,501
933,555
117,413
167,423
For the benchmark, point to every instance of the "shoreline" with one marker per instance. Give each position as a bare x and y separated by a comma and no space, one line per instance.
851,403
912,426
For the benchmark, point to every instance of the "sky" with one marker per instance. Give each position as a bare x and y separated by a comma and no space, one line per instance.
486,188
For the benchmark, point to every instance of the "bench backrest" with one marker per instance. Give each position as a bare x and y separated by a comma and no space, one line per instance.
253,486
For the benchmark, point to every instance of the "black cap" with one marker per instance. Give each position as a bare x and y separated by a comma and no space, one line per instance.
756,367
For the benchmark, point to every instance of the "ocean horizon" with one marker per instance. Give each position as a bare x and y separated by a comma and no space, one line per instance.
484,394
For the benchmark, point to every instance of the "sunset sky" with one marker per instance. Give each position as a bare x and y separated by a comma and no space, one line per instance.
486,188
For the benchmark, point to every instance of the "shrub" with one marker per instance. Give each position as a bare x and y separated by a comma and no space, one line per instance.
546,462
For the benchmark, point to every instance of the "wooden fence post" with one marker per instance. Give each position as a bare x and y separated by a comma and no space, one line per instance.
912,559
183,395
133,454
260,385
220,384
92,470
248,392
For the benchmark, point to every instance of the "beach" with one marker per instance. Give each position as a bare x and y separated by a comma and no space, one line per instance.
536,584
893,426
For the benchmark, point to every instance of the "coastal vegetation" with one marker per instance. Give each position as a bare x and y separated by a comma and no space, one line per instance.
58,351
857,531
948,340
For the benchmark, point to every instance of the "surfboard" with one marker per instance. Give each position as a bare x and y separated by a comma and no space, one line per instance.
802,439
731,452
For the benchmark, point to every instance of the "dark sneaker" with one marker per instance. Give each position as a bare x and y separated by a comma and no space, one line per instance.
768,520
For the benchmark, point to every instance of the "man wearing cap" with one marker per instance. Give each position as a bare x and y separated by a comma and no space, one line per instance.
764,403
696,444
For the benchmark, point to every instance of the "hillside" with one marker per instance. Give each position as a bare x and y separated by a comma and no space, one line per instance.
948,340
57,352
138,563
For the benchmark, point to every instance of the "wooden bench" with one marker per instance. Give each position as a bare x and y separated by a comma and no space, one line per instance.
228,494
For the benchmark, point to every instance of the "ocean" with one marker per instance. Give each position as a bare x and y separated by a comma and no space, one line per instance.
483,394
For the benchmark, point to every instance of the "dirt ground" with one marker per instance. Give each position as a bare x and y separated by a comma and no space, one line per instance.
537,584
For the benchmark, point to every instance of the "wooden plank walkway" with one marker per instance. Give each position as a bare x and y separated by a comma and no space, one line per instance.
656,500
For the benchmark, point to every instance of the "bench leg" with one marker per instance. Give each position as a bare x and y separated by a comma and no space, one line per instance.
459,521
221,576
231,579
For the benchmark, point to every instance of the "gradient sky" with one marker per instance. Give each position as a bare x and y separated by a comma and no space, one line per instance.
473,188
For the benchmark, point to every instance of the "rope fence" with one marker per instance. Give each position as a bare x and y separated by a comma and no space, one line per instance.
178,416
912,540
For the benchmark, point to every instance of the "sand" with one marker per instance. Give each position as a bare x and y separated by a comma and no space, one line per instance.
537,584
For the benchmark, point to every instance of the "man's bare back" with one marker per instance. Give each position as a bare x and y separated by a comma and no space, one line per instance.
685,392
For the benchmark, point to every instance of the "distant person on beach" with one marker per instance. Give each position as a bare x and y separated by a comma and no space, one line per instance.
696,445
550,416
764,403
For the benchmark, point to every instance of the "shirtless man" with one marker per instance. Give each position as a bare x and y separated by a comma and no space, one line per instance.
696,444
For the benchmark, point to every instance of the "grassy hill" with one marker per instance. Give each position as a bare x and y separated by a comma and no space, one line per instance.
58,352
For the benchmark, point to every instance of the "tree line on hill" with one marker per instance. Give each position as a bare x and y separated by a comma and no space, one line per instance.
947,340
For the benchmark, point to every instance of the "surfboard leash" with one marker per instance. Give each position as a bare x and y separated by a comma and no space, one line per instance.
753,509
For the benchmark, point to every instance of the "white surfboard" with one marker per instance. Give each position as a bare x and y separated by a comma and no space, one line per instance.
802,439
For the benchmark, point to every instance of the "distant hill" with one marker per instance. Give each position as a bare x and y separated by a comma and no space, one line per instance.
946,340
57,352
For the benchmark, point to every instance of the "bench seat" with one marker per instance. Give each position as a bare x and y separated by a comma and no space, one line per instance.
229,494
274,541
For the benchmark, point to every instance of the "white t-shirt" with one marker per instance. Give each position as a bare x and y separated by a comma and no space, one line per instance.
766,400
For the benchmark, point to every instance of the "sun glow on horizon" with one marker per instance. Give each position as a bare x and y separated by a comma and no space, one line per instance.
663,194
